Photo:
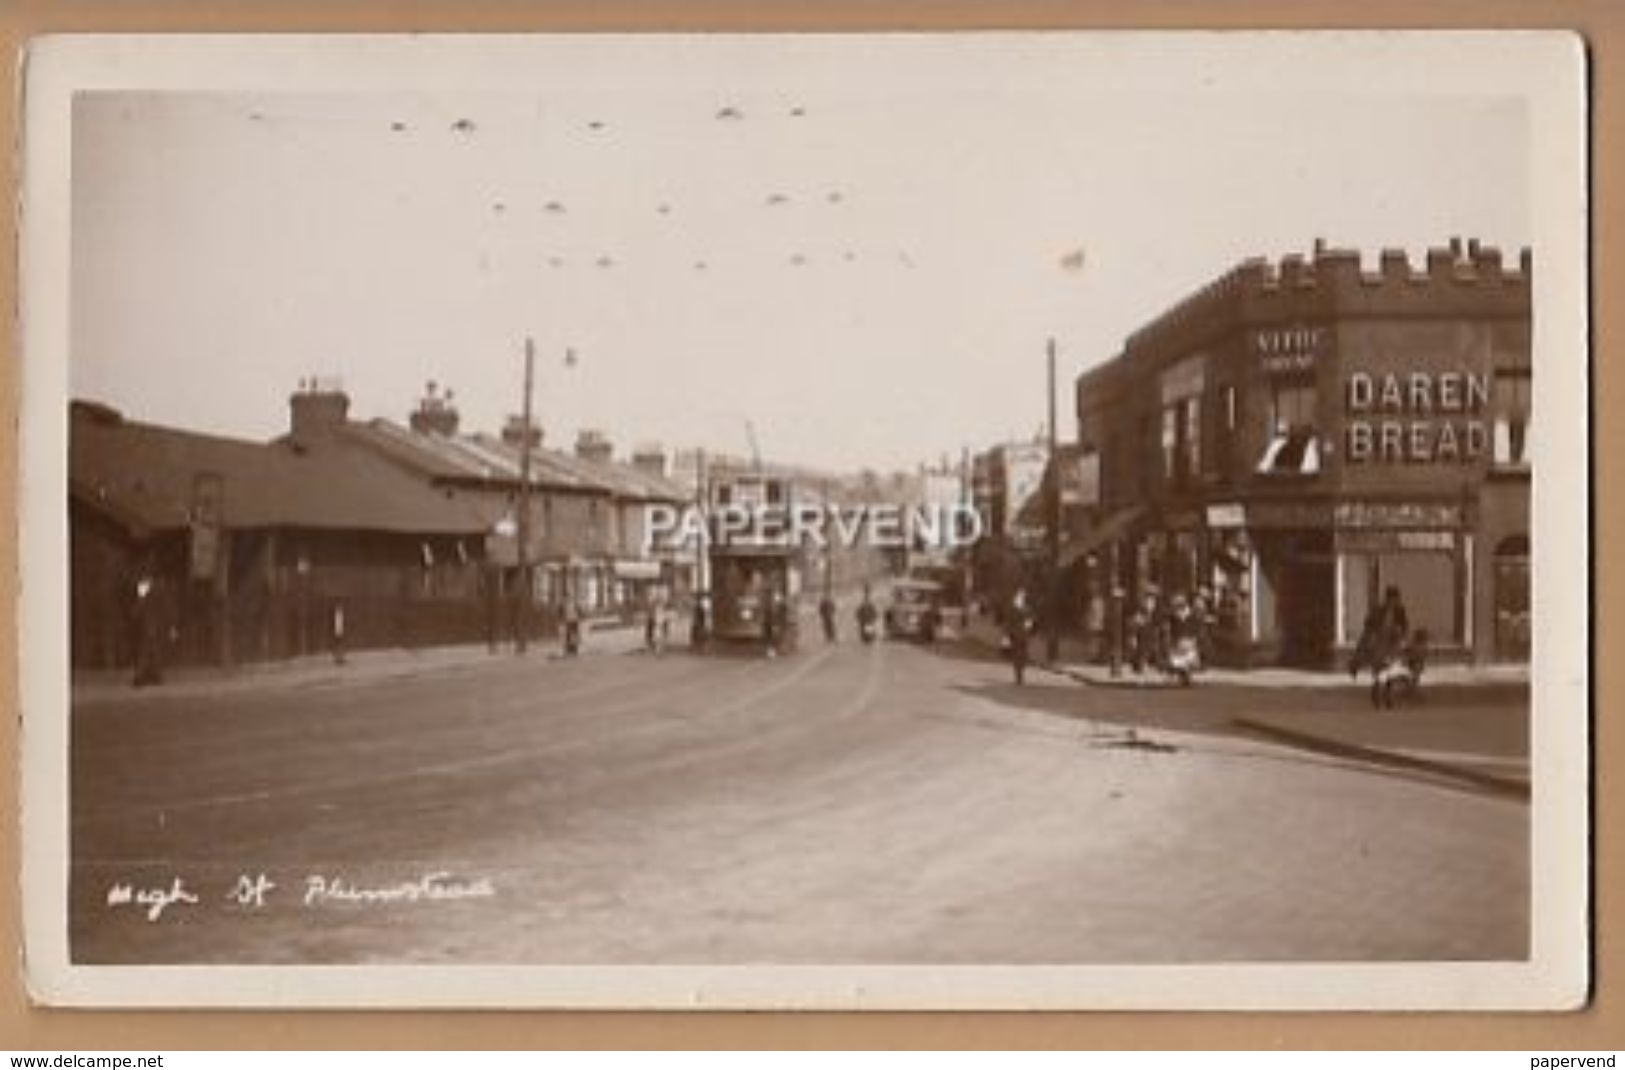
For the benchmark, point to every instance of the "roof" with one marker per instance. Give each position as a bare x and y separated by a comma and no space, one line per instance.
144,475
567,469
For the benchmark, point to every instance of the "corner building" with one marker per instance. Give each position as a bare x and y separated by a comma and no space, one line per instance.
1299,435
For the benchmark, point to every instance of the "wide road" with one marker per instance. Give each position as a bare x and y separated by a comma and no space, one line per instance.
848,804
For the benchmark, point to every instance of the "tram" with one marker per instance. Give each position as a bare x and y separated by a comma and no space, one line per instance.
756,575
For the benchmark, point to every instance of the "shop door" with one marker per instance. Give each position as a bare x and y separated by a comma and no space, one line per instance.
1512,616
1307,602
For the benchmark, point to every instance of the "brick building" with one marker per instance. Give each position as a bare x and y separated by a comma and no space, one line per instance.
1300,435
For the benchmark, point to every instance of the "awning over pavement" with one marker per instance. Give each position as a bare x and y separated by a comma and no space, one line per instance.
637,570
1109,529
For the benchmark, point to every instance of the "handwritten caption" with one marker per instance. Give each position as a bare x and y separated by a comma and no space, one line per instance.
257,891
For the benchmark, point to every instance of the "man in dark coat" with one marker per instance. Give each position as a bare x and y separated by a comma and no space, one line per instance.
147,628
1018,630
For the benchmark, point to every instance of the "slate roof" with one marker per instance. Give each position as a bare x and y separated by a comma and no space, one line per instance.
143,476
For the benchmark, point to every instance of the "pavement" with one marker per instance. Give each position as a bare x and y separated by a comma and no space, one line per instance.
321,670
1442,731
893,803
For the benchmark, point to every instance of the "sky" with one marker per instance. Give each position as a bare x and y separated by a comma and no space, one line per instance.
857,247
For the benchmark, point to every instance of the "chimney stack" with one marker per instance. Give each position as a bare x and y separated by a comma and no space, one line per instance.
435,413
650,459
317,409
594,446
513,432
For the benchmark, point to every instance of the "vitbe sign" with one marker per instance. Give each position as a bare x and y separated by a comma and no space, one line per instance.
1288,349
1416,417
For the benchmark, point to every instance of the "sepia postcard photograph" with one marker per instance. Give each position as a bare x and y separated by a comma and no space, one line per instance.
1043,520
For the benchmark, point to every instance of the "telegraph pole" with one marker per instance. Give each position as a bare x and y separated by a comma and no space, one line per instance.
829,548
1054,642
522,616
702,582
967,498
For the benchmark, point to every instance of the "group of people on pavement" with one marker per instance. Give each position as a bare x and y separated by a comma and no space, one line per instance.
1172,635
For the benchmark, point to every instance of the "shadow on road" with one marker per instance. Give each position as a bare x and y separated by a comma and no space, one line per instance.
1459,733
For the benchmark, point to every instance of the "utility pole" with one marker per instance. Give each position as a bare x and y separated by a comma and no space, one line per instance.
702,582
1053,608
967,498
522,615
829,548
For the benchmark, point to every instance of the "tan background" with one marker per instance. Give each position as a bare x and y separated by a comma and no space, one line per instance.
1602,1026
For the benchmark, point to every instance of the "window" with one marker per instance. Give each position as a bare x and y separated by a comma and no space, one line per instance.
1227,400
1192,431
1294,446
1170,441
1512,397
1292,408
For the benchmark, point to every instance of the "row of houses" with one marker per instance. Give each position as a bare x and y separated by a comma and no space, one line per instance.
365,533
1294,439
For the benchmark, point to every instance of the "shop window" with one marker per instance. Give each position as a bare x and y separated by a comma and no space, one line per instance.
1431,587
1512,396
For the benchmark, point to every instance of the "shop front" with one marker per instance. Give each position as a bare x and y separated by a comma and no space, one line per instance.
1419,550
1291,582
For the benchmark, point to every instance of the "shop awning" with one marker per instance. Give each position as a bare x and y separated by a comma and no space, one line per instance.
1294,453
1109,529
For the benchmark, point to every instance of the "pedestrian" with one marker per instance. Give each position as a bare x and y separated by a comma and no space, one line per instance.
1184,639
572,628
654,621
770,622
663,624
1018,631
1148,626
826,613
1094,625
338,632
699,622
1393,623
866,615
146,629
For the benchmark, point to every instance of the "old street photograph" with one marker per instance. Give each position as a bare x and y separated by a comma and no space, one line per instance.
792,501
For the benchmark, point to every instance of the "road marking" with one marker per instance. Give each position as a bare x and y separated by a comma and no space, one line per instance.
871,684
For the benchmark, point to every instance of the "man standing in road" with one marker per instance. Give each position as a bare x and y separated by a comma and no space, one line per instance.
1018,630
147,629
826,613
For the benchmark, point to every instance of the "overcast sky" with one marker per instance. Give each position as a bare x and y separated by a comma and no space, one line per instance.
859,245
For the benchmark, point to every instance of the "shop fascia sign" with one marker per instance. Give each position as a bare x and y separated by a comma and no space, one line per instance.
1396,515
1417,417
1227,515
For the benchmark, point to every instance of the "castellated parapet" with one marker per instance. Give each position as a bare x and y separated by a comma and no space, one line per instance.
1459,280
